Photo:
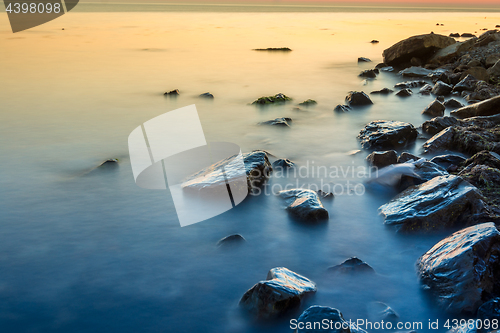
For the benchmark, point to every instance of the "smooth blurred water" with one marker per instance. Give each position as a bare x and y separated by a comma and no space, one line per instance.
85,249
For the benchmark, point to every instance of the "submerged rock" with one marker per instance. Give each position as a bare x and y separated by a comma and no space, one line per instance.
275,49
363,59
231,240
111,162
172,93
386,134
283,121
463,270
370,73
308,102
453,104
467,35
435,109
304,204
380,311
406,156
415,71
342,108
283,163
404,93
448,160
384,91
355,98
425,90
423,172
276,99
320,314
351,266
207,95
410,84
382,159
282,291
440,203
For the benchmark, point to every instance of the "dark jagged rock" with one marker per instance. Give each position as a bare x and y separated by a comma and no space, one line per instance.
467,35
441,141
441,89
282,291
275,49
440,99
356,98
283,121
321,314
283,163
435,109
231,240
491,60
440,203
406,156
425,90
410,84
448,53
342,108
404,93
453,104
352,265
436,125
484,157
382,159
207,95
456,34
487,37
304,204
276,99
489,310
447,160
172,93
463,270
424,171
494,71
363,59
386,134
112,162
415,71
369,73
374,41
308,102
487,179
468,83
381,65
422,46
325,195
384,91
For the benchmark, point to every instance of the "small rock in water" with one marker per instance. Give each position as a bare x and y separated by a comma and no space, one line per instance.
369,73
381,65
404,93
207,95
363,59
468,83
434,109
325,195
410,84
386,134
447,160
342,108
231,240
467,35
172,93
406,156
352,265
456,34
308,102
283,163
453,104
441,89
382,159
374,41
387,69
415,71
384,91
112,162
275,49
380,311
357,98
425,90
304,204
282,291
423,171
283,121
276,99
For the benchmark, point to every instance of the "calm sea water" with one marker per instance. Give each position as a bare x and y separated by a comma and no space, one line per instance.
85,250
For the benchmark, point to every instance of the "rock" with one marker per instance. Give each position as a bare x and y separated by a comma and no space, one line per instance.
207,95
440,203
473,139
415,71
487,37
485,157
363,59
387,69
436,125
369,73
446,54
304,204
374,41
440,141
381,65
462,271
425,90
325,195
111,162
447,160
275,49
468,83
416,61
379,311
410,84
283,163
351,266
435,109
487,179
356,98
479,73
172,93
231,240
384,91
456,34
467,35
308,102
474,63
404,93
282,291
453,104
440,99
386,134
441,89
491,60
342,108
382,159
257,168
406,156
276,99
283,121
321,314
422,46
494,70
423,172
489,310
485,108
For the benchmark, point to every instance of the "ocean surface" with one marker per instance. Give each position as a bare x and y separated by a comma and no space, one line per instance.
83,249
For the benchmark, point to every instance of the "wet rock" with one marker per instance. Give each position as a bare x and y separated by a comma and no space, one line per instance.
488,37
494,70
462,271
276,99
489,310
410,84
441,141
406,157
474,63
423,172
467,35
453,104
441,89
363,59
283,163
484,157
447,160
425,90
384,91
283,121
485,108
456,34
369,73
382,159
381,65
309,102
440,203
415,71
487,179
479,73
468,83
387,69
380,311
112,162
447,54
491,60
231,240
304,204
436,125
422,46
207,95
320,314
282,291
404,93
257,168
386,134
172,93
351,266
342,108
357,98
435,109
275,49
325,195
440,99
374,41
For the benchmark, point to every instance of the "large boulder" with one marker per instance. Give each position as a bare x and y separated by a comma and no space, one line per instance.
463,270
446,54
386,134
422,46
487,179
440,203
282,291
356,98
304,204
